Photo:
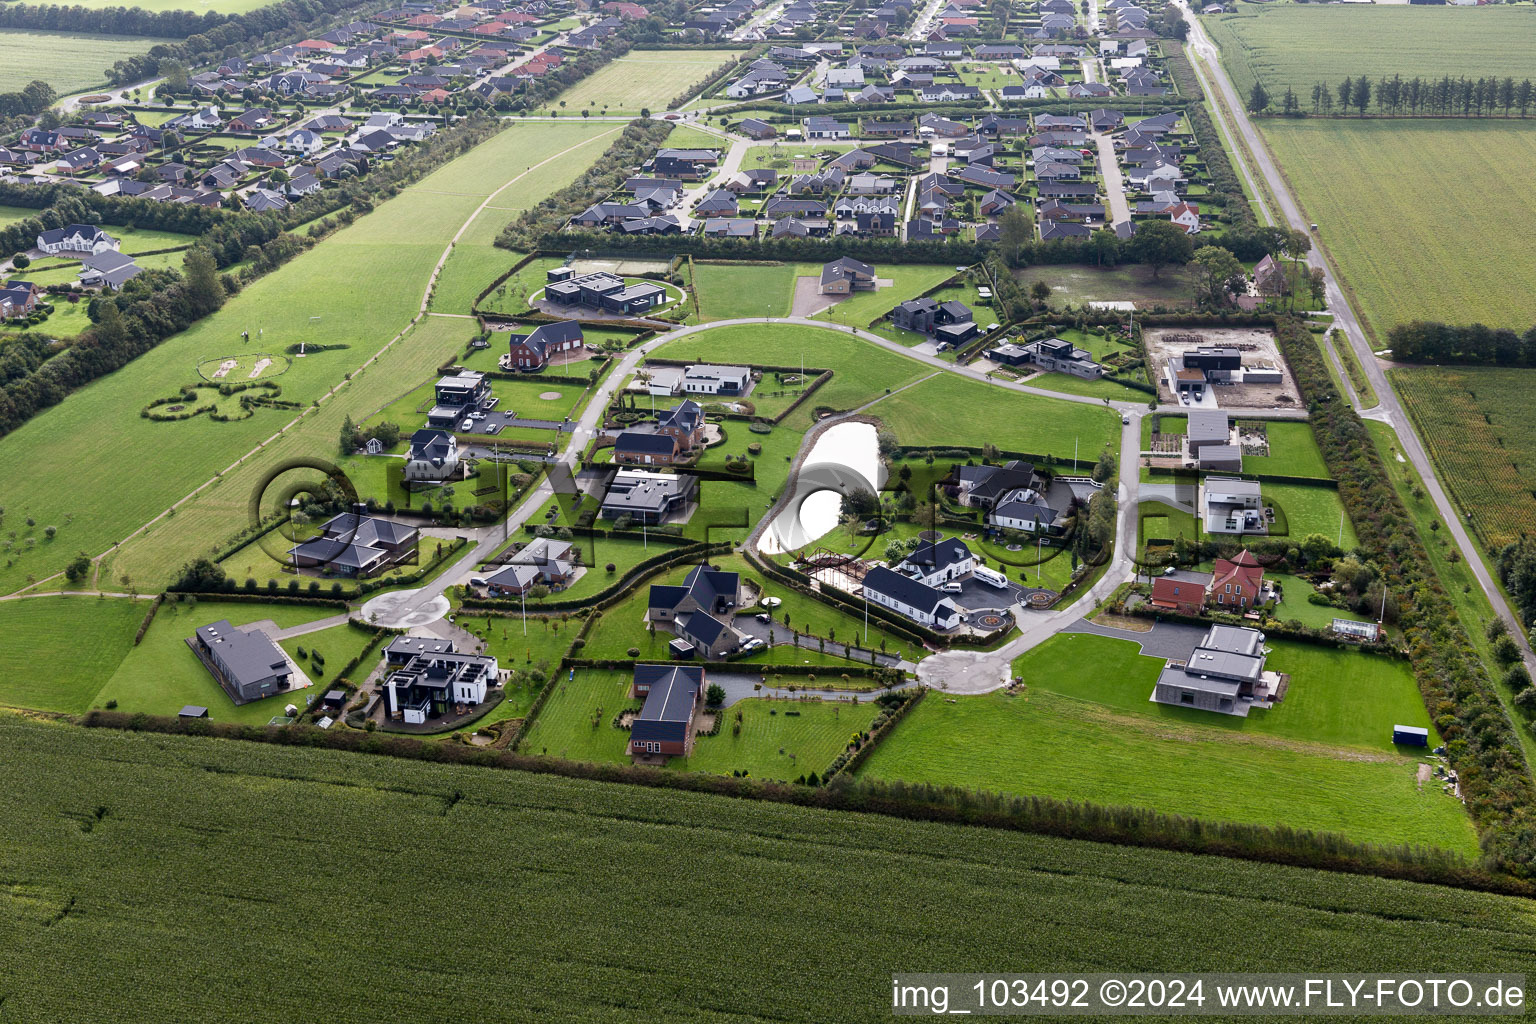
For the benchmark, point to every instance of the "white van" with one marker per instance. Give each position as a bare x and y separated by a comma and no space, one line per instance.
952,587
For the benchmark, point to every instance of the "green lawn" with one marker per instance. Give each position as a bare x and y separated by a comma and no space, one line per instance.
1293,451
727,290
1296,606
948,410
1308,510
643,79
1075,285
861,371
11,214
162,674
59,651
68,61
779,739
576,721
97,432
336,645
1084,729
1389,242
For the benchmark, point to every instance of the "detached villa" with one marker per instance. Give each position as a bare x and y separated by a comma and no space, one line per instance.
665,726
246,663
77,238
916,600
1225,674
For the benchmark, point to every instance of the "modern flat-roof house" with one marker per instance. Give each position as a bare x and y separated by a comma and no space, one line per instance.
938,561
1215,362
914,599
709,379
1060,356
434,455
431,685
354,544
1208,429
402,649
647,498
76,238
541,562
926,316
1232,505
246,663
846,275
532,351
637,448
606,292
1225,674
456,396
665,725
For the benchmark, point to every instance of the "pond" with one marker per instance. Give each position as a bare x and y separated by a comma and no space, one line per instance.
845,458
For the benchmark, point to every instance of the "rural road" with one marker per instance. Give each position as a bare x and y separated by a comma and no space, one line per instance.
1389,409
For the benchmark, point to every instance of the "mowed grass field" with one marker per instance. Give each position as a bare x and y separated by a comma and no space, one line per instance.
727,290
60,651
737,878
1297,45
1476,423
93,458
68,61
1085,730
644,79
1378,191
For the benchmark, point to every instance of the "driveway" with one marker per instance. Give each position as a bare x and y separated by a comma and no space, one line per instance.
740,686
808,299
1163,640
783,637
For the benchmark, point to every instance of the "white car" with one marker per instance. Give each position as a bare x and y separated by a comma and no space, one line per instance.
752,643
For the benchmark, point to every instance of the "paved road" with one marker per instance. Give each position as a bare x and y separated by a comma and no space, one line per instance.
1114,181
1389,409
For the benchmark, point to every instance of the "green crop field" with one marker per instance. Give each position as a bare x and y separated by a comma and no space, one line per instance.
60,651
644,79
106,833
1376,189
1475,423
162,674
93,434
1085,730
1297,45
68,61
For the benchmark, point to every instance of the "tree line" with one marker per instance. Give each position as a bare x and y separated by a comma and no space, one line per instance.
1424,341
1403,97
1479,738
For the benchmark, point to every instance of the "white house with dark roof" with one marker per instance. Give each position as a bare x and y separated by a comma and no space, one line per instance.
914,599
434,455
938,561
77,238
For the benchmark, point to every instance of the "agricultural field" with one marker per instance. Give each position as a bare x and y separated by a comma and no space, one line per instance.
68,61
1085,730
63,649
643,80
210,809
1390,243
1298,45
394,248
162,674
1475,423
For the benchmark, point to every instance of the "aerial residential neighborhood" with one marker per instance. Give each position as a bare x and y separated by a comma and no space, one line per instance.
598,501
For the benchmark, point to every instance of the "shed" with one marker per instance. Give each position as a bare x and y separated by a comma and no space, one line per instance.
1410,736
192,711
681,649
334,699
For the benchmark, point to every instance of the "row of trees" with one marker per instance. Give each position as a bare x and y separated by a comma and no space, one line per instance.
1480,741
111,21
1400,97
1424,341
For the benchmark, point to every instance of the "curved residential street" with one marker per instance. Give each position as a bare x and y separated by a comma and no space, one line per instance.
1389,409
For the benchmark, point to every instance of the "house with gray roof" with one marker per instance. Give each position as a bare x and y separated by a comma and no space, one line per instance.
1225,673
647,498
910,597
665,726
246,663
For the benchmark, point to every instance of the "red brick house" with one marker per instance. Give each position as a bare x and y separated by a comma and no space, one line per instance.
1237,584
1184,596
532,351
665,726
684,424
